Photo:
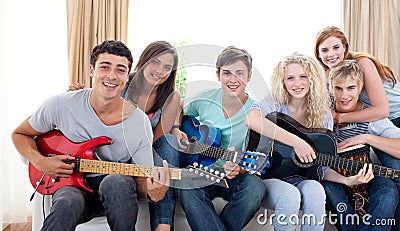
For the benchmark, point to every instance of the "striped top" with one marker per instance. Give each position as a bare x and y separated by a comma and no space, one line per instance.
351,129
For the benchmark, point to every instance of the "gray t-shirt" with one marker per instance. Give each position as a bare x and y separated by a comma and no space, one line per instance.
73,115
384,128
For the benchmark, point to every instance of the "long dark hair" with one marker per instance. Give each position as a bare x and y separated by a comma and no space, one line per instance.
136,78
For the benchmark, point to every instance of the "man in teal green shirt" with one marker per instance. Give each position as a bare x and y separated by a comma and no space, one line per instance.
225,108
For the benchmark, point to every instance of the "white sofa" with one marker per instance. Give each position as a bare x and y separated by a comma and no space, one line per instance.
258,223
43,203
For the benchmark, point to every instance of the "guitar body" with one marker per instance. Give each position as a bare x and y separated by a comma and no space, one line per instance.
55,143
203,134
320,139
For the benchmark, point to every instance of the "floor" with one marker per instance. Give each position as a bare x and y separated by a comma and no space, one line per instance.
26,226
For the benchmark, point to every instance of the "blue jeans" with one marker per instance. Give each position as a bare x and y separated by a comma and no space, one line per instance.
396,122
116,197
286,199
244,197
391,162
382,196
162,212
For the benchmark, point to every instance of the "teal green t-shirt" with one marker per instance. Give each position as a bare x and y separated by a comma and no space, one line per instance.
206,106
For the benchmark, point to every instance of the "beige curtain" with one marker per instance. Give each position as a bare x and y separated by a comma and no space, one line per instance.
89,23
373,26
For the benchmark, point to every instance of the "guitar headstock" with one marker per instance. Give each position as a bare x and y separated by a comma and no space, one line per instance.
254,162
194,176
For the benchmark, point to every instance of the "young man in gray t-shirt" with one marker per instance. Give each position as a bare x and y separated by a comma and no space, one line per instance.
84,115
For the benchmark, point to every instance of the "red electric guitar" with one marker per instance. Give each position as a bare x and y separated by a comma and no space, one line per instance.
55,143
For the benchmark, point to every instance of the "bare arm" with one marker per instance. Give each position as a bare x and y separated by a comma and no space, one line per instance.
390,146
168,115
180,135
256,121
373,85
23,139
362,177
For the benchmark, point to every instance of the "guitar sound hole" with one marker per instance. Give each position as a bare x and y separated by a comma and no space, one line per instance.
297,161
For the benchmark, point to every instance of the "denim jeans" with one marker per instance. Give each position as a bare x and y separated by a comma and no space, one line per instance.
286,199
382,196
244,197
391,162
162,212
396,122
116,197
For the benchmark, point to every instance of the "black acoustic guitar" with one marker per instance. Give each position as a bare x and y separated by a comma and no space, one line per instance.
322,141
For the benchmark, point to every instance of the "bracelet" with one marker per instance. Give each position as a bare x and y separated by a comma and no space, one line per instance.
175,126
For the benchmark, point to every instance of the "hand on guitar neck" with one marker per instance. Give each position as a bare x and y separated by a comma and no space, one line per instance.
158,185
204,148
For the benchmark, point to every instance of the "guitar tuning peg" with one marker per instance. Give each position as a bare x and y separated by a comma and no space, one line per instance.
195,164
206,168
202,174
222,174
201,166
207,176
216,172
211,170
196,171
212,178
218,180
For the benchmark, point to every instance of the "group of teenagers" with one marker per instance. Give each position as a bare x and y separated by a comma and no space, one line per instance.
349,93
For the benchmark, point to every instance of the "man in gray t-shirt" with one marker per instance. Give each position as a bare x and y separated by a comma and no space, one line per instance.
82,116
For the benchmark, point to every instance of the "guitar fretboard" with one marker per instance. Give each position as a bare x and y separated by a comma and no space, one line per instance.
211,151
106,167
353,165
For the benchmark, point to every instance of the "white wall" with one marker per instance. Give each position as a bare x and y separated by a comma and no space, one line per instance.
269,30
34,66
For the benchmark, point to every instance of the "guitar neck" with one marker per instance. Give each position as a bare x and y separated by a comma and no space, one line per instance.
106,167
211,151
353,165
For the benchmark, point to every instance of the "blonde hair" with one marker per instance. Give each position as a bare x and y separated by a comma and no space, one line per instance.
346,69
317,98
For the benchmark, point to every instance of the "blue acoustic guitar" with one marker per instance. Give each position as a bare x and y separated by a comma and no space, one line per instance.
204,148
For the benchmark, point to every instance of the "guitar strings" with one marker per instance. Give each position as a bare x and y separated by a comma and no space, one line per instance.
356,165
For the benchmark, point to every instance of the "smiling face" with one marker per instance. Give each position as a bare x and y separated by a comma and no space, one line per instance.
234,78
158,69
296,81
331,51
346,93
109,75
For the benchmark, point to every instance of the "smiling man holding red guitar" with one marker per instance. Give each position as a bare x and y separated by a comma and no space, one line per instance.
85,115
